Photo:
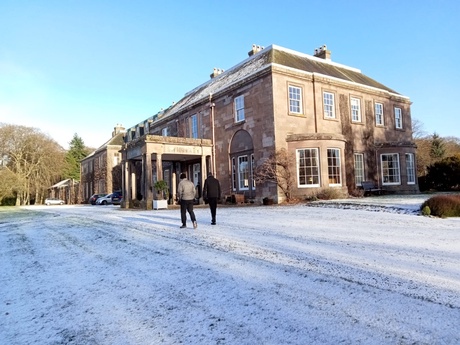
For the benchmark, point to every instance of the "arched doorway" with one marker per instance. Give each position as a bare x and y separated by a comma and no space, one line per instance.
242,164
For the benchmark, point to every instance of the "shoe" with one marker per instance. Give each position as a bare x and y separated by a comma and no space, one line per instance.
213,223
195,224
183,226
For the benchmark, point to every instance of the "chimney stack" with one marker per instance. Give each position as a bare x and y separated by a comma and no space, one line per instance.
216,72
255,49
322,52
118,129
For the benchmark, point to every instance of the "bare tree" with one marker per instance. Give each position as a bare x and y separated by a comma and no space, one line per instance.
417,129
277,169
32,159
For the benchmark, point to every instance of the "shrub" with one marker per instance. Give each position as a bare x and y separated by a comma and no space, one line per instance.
426,211
357,193
331,193
444,175
311,198
443,205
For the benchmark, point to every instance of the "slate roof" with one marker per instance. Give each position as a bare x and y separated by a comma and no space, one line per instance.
317,65
272,55
117,139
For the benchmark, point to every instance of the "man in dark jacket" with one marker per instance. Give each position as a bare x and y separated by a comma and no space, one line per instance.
211,193
186,194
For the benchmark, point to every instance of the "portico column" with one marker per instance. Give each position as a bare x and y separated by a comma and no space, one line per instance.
125,184
204,173
143,178
174,185
159,167
132,181
148,182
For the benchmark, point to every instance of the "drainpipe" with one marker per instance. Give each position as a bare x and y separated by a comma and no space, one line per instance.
314,104
212,106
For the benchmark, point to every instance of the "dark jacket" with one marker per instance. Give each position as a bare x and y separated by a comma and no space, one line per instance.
211,188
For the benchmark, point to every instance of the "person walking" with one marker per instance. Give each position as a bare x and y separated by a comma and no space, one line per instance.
186,195
211,194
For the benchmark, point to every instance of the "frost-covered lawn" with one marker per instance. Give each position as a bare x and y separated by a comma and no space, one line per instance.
350,274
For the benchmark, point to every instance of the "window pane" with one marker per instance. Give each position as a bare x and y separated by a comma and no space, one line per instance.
355,110
295,99
390,168
359,168
379,114
328,100
243,172
410,167
398,118
194,126
333,166
308,167
239,108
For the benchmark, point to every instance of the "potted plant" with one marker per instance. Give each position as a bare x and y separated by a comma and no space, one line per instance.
162,189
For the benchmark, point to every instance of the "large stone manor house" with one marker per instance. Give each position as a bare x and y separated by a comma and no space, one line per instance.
340,126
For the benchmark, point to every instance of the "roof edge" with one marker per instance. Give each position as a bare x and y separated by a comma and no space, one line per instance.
314,58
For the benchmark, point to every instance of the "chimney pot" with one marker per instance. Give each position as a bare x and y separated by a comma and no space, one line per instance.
322,52
255,49
216,72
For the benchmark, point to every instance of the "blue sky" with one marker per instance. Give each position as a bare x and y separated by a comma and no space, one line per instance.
82,67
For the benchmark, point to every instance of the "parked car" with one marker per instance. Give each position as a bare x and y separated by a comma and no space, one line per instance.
54,201
94,197
104,200
117,197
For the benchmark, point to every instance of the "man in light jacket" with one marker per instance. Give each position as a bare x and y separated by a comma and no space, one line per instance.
186,195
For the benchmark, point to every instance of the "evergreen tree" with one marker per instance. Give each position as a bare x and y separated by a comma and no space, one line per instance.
77,151
437,150
445,174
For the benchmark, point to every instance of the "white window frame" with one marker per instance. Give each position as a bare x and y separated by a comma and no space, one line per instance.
390,167
252,172
234,175
379,120
359,168
239,108
355,104
243,172
398,118
165,132
295,99
410,168
329,105
308,168
334,169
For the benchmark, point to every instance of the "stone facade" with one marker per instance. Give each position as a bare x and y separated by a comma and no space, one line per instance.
100,171
341,126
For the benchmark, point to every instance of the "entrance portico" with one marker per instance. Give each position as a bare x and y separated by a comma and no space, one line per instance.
147,159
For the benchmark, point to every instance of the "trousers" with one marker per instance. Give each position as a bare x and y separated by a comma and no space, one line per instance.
186,206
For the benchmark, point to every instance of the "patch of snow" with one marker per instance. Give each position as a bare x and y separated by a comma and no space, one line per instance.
263,275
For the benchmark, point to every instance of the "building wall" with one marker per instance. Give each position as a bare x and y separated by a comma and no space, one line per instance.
258,123
272,127
350,137
97,172
269,126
